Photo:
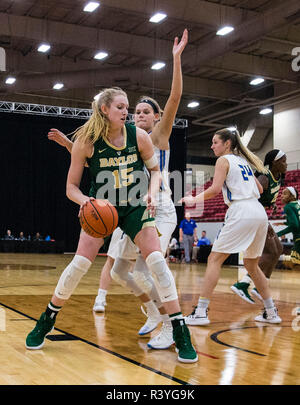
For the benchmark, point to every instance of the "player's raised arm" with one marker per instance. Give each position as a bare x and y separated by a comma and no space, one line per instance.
163,129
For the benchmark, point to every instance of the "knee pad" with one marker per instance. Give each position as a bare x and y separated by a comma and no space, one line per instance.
120,273
163,278
71,276
143,278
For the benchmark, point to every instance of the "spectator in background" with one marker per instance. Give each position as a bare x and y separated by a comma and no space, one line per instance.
283,239
37,237
9,235
289,198
48,238
203,241
21,236
173,249
187,235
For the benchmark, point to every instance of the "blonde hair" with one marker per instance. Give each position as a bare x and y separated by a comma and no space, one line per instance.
98,124
237,146
153,103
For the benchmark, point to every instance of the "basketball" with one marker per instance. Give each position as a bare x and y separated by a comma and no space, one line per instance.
99,218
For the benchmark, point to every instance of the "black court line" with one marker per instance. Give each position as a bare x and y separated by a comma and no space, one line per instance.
214,337
61,338
120,356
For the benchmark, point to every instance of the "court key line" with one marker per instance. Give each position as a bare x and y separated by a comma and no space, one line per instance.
214,337
110,351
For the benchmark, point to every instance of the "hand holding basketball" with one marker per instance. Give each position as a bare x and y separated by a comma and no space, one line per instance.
98,218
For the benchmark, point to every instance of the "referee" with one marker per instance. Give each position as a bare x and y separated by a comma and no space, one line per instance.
187,235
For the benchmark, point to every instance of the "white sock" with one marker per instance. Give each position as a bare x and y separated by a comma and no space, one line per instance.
177,315
102,292
150,305
203,303
269,303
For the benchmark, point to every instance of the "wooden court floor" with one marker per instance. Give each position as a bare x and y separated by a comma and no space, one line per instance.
87,348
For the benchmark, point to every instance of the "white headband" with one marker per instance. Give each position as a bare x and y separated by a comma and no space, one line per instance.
279,155
292,191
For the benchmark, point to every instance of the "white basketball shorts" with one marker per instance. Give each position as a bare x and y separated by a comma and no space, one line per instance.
244,230
165,219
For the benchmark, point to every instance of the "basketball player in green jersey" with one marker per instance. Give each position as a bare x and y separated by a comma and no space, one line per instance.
116,153
292,212
271,182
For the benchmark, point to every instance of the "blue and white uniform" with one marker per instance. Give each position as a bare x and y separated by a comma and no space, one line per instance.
246,222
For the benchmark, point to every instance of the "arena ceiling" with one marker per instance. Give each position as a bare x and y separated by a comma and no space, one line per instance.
217,70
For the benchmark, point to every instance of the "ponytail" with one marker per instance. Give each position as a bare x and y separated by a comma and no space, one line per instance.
238,147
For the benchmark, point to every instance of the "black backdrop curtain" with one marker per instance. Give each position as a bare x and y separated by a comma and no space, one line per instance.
178,162
34,172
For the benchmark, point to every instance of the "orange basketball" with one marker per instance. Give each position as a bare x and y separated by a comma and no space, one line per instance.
99,218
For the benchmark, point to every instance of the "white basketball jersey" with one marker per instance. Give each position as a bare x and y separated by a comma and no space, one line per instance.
240,182
163,157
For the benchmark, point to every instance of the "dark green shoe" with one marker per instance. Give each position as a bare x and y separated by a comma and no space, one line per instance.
36,338
182,339
241,289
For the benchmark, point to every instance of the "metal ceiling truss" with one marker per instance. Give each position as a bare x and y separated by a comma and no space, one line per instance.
66,112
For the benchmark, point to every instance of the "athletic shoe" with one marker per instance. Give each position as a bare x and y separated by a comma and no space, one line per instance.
198,317
270,315
182,339
36,338
164,339
241,289
100,303
256,294
154,319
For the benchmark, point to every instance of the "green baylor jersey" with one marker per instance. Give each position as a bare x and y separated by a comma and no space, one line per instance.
113,168
117,174
269,196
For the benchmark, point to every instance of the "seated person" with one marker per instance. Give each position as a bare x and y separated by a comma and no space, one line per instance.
203,241
173,249
9,235
37,237
21,236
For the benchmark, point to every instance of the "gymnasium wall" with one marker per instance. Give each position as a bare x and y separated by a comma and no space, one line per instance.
287,130
34,172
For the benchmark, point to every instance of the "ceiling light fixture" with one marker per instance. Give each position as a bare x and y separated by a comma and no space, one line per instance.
44,48
256,81
265,111
91,6
158,65
157,17
225,30
193,104
58,86
10,80
100,55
